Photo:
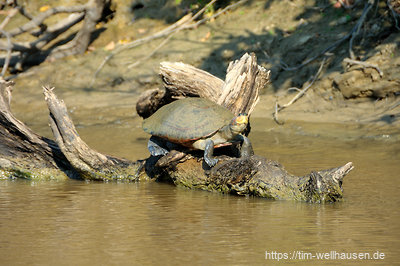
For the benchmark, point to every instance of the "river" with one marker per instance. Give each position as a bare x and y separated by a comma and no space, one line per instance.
96,223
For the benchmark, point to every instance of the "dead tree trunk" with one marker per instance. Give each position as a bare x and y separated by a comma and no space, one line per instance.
26,155
81,41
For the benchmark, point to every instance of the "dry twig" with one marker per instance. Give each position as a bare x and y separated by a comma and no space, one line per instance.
39,19
8,56
279,108
360,22
183,23
179,25
364,64
217,14
152,53
11,13
351,35
187,27
394,14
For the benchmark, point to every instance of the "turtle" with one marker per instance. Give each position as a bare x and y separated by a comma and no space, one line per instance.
198,124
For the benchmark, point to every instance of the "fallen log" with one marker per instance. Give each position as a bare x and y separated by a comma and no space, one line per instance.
24,154
257,176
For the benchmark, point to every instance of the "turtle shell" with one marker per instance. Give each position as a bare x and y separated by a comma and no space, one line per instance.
186,120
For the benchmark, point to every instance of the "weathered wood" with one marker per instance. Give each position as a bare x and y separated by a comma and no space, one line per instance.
89,163
243,81
239,92
23,153
150,101
257,176
93,13
180,80
183,80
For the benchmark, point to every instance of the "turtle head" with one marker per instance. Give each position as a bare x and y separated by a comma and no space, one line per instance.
239,123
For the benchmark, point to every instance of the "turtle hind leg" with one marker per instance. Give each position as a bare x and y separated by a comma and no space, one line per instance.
155,146
208,153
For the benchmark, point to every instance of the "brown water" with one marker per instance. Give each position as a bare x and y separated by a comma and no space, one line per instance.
93,223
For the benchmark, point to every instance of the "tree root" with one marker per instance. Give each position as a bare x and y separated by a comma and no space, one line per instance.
364,65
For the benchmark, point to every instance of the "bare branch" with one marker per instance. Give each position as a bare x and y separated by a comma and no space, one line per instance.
42,26
91,12
165,32
360,22
352,34
54,31
8,56
364,64
279,108
152,53
394,14
11,13
19,47
38,20
217,14
275,114
184,23
187,27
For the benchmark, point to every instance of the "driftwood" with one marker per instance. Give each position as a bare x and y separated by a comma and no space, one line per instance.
239,93
24,154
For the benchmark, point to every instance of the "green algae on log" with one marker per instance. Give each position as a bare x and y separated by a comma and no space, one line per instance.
255,176
24,154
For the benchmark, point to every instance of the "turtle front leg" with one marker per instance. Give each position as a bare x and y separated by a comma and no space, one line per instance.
155,147
208,153
246,150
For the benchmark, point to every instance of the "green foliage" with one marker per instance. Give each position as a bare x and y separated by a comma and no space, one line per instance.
272,32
